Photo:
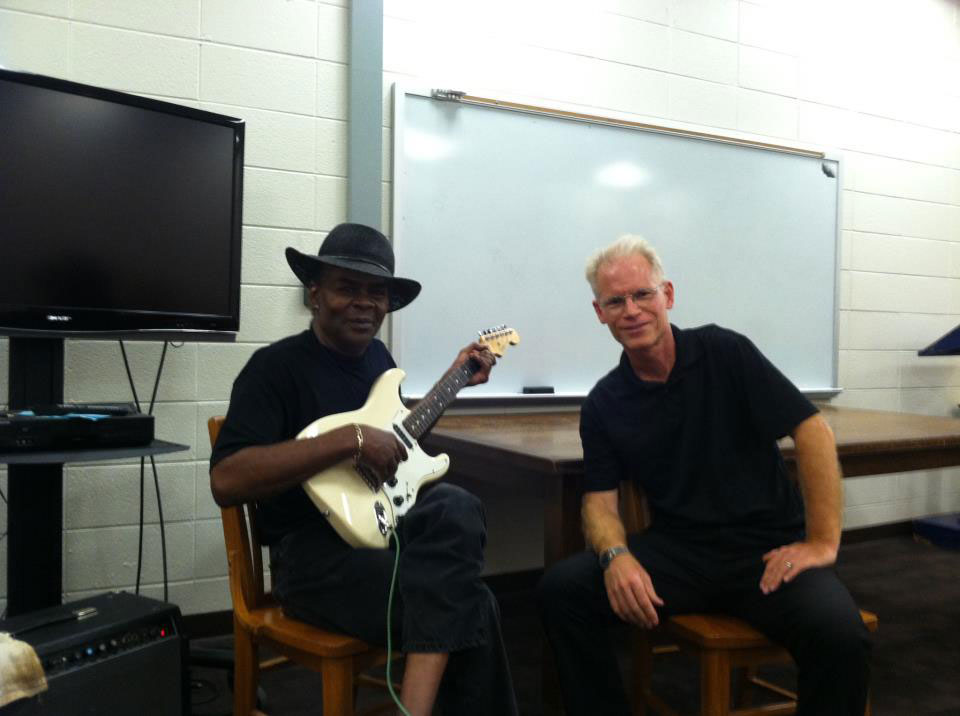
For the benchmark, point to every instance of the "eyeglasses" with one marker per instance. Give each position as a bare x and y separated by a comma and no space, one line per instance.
642,297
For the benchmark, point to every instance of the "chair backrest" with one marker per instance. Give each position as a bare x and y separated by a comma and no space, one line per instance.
633,507
244,552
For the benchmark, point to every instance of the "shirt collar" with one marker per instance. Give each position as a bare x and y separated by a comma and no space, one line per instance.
313,344
689,350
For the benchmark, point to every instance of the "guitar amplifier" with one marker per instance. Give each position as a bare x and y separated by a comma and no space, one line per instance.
115,653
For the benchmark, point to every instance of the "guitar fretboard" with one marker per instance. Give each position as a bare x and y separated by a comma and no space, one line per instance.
438,399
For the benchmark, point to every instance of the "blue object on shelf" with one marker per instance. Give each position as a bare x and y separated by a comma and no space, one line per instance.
941,530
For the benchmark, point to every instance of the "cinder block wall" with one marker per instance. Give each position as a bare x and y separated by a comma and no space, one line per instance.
875,81
281,66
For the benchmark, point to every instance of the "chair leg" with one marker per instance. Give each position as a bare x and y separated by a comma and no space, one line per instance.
744,694
714,683
337,687
246,673
642,671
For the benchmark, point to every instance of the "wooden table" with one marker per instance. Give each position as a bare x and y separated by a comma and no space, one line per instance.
546,447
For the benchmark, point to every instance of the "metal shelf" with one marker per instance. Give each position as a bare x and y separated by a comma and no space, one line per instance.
60,457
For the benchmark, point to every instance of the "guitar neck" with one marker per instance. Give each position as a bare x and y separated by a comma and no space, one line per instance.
426,412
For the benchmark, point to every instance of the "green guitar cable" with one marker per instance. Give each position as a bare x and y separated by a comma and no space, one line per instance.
393,582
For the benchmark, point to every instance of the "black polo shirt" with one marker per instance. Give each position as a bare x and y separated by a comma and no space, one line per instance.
702,445
283,388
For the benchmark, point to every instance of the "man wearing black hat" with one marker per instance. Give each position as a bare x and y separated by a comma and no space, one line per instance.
446,619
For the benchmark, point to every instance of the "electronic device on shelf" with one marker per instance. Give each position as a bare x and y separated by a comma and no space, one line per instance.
74,426
118,213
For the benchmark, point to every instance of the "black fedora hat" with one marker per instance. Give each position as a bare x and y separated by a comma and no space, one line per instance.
358,248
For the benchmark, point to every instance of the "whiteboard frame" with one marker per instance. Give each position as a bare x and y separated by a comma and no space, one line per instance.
617,119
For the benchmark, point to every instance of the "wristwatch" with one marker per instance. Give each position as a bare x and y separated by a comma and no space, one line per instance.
606,557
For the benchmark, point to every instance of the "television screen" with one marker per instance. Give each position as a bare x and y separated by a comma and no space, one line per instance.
117,213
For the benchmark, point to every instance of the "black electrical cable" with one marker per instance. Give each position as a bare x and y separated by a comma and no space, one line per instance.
156,480
136,589
153,466
163,534
156,380
136,401
4,498
126,364
2,537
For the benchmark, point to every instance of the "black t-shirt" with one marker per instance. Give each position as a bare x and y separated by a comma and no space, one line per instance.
702,445
283,388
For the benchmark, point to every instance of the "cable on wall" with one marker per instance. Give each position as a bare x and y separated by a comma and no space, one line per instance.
153,466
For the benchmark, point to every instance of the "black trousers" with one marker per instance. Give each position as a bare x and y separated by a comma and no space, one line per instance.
440,603
813,616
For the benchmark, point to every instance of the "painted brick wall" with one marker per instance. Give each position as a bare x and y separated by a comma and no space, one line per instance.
875,81
878,83
281,66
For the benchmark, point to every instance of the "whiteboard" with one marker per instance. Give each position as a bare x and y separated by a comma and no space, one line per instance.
495,212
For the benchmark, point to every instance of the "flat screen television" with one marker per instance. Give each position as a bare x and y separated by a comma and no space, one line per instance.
118,214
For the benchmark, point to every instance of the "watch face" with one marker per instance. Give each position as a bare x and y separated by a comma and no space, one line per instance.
606,557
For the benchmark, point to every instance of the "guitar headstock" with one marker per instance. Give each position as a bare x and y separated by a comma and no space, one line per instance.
498,338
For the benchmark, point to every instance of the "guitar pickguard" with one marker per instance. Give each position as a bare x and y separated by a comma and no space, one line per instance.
360,515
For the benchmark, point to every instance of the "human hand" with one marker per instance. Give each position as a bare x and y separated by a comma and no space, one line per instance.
380,454
785,563
484,358
630,591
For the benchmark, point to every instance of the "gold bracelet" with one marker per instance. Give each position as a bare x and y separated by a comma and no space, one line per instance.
356,455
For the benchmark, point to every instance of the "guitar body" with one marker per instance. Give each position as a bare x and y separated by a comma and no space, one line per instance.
362,516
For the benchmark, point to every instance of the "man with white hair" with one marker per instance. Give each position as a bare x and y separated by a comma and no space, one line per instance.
693,417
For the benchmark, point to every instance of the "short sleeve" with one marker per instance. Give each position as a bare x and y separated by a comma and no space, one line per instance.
776,406
603,469
257,414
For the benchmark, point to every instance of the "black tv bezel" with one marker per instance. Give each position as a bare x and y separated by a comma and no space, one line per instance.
70,321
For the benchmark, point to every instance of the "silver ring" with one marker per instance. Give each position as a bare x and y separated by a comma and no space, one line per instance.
788,564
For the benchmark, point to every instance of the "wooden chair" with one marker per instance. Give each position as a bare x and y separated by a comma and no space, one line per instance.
259,621
720,644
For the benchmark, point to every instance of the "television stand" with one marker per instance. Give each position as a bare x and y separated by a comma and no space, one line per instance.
35,481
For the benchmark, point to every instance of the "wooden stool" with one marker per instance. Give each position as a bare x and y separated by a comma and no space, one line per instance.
721,644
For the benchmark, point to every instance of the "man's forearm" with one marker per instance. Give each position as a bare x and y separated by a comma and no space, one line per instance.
602,526
264,470
819,475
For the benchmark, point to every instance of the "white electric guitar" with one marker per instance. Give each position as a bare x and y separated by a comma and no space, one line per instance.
362,513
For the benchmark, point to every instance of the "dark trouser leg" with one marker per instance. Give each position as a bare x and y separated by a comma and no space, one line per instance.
477,680
454,611
441,557
815,618
440,602
577,619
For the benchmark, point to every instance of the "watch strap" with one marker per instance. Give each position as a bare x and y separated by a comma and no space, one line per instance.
606,557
